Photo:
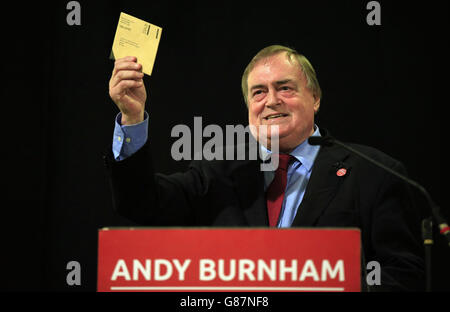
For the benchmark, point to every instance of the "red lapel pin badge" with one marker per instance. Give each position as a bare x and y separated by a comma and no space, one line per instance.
341,172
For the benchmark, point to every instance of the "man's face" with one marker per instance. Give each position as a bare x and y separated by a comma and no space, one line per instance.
278,95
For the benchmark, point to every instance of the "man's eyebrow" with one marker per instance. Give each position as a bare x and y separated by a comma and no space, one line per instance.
280,82
258,86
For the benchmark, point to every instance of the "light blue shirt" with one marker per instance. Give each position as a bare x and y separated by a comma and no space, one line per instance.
130,138
299,172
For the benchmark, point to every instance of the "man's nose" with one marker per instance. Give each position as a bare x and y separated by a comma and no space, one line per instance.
273,99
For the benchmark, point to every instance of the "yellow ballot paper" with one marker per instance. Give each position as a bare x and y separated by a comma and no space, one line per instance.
135,37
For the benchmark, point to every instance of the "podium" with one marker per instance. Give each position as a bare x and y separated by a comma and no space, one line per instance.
229,260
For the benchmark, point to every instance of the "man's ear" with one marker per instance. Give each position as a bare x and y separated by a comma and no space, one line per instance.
316,105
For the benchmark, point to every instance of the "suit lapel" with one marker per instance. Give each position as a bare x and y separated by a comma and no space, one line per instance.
249,182
322,186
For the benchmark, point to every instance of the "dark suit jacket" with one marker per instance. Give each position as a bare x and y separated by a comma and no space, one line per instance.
231,193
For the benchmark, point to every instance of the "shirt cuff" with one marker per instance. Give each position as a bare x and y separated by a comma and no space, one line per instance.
128,139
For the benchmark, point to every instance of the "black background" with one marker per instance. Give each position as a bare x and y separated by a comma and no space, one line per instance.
380,88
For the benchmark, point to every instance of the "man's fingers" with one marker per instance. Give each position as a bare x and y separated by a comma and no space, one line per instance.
117,92
123,85
126,65
127,59
125,75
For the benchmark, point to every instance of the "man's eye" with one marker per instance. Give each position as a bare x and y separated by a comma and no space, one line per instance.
285,88
257,92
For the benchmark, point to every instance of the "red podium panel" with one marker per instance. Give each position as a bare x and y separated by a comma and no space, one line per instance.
231,260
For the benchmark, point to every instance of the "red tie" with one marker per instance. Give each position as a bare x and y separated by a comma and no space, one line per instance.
275,192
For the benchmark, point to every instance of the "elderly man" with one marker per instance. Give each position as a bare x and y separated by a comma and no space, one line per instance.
313,186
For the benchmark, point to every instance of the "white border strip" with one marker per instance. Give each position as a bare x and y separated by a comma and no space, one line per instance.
141,288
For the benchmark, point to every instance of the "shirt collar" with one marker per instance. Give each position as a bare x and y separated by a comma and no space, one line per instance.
304,152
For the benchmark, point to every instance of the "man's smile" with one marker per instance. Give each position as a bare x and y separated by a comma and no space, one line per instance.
275,116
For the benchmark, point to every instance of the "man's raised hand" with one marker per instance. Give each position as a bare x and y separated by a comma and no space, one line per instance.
127,90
